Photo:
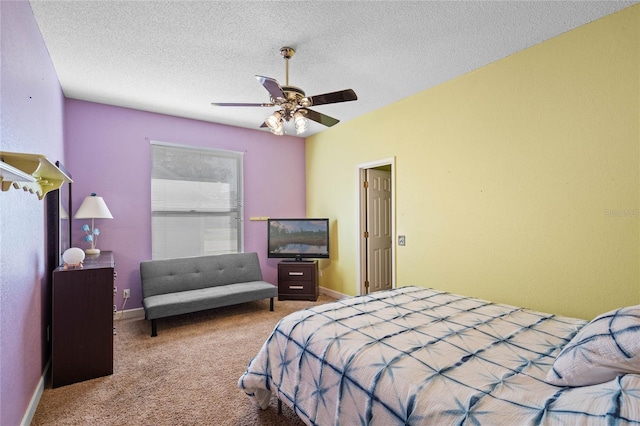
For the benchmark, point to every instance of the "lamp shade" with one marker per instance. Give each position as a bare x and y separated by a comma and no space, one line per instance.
93,207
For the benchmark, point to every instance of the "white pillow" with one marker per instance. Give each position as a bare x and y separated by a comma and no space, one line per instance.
603,349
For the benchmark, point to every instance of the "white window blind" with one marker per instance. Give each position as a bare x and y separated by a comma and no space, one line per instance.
196,201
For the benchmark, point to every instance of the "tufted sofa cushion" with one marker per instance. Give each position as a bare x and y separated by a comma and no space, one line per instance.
192,273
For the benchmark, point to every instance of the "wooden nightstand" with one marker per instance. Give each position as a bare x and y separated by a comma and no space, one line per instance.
298,280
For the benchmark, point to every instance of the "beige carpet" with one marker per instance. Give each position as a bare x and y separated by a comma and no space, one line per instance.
187,375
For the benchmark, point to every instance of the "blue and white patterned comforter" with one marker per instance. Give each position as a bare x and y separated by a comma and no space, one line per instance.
418,356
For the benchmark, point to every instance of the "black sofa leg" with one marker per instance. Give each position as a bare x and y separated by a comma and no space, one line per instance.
154,328
271,304
279,406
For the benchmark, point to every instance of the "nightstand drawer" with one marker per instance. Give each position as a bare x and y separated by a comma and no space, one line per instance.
297,287
289,273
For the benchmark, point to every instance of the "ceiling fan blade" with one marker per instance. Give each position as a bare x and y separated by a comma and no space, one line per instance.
321,118
272,87
334,97
232,104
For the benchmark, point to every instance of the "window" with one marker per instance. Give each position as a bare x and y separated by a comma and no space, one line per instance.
196,201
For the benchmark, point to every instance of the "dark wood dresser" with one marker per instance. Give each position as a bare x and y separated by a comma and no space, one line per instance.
82,323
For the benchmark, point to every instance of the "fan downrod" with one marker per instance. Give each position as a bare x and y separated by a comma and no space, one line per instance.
287,53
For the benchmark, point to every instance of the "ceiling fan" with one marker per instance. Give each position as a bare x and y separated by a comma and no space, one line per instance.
293,103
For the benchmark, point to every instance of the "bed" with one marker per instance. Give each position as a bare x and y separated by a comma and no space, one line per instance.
415,356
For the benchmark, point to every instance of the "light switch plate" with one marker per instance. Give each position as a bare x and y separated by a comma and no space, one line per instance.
401,240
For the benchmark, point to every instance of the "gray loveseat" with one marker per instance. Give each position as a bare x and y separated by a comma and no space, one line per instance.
190,284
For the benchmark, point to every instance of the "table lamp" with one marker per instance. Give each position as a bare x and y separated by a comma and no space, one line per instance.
92,207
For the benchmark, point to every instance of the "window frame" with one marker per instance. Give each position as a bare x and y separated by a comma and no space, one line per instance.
200,213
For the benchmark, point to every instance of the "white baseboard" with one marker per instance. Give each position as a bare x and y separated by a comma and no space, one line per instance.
129,313
139,312
35,398
332,293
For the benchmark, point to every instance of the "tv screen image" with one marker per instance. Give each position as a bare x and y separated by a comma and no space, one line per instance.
298,238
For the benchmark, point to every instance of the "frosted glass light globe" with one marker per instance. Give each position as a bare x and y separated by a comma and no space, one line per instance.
73,257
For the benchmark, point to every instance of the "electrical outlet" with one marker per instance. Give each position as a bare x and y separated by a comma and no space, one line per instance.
126,293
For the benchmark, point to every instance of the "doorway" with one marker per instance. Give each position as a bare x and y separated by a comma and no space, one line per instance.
376,231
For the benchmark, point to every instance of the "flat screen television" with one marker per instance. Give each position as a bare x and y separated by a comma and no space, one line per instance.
298,239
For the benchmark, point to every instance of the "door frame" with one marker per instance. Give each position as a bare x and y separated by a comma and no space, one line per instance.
361,220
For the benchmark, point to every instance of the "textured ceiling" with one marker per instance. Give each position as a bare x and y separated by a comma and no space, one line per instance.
176,57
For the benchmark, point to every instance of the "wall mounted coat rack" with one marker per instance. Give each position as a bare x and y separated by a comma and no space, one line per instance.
33,173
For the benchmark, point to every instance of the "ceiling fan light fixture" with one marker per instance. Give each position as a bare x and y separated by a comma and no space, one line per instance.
274,121
300,119
279,130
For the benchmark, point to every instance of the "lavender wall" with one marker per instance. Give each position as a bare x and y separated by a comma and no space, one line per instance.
108,152
32,119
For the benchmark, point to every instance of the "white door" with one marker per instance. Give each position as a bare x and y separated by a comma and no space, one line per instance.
379,230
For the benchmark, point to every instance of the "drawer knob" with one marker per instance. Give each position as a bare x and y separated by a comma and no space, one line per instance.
297,274
296,287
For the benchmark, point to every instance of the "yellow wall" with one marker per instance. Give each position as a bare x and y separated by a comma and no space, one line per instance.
517,182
